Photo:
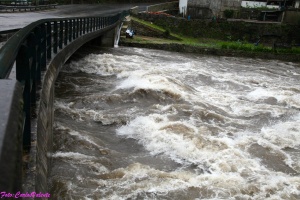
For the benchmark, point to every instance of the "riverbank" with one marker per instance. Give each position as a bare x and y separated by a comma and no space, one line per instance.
160,32
177,46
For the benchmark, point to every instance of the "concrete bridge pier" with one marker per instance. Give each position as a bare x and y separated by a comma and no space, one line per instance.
108,39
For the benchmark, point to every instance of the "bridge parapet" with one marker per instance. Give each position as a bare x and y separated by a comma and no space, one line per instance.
30,60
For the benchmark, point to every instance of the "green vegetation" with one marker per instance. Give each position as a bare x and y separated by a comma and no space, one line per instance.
244,46
227,44
294,50
167,33
147,23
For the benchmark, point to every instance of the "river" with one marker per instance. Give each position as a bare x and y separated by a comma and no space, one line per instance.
134,123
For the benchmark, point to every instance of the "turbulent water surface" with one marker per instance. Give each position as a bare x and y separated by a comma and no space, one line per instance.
146,124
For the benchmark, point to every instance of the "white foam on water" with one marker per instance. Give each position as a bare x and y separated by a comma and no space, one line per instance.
284,134
68,109
148,183
84,138
261,93
153,133
73,155
291,98
105,64
211,147
275,138
248,109
82,114
75,158
185,143
80,136
140,80
232,170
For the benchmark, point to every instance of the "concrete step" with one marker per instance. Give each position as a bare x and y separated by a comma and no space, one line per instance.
126,22
128,18
124,27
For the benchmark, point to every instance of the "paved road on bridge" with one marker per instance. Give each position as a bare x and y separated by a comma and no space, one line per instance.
14,20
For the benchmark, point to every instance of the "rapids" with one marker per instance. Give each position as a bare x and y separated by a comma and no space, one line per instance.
133,123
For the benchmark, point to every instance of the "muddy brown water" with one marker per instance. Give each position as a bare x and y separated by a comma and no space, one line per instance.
133,123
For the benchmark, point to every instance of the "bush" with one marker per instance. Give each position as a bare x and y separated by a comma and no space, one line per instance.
224,46
167,33
294,50
228,13
246,47
233,46
261,48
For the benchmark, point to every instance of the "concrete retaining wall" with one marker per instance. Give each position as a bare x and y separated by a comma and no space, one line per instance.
11,136
45,113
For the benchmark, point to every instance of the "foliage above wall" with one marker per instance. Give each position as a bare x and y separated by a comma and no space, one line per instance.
106,1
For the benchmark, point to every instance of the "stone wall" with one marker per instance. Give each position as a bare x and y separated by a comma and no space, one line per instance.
292,17
216,7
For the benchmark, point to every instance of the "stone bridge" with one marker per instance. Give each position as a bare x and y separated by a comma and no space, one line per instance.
29,64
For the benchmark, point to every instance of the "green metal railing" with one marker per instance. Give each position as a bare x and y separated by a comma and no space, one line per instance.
32,47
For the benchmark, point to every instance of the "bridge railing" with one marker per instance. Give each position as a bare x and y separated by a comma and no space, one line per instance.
23,2
9,3
25,56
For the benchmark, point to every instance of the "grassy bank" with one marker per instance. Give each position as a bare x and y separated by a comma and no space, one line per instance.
206,45
167,45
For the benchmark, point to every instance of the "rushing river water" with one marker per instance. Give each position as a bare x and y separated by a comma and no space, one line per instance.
133,123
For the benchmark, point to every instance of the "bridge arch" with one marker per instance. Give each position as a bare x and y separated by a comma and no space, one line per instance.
29,65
